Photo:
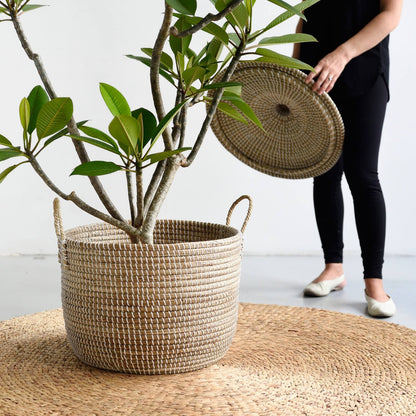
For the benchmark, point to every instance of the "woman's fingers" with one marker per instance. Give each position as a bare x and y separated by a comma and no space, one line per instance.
314,73
327,72
324,79
325,85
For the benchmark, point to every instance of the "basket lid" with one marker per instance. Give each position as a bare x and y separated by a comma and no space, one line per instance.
303,131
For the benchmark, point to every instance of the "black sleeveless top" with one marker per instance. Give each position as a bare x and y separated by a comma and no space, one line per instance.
333,22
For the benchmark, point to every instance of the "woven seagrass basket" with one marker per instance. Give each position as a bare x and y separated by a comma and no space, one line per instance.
165,308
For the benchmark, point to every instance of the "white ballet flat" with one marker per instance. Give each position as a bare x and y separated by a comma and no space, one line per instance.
325,287
380,309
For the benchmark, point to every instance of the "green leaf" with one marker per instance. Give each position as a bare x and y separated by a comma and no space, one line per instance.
5,142
166,120
190,54
6,172
98,134
180,62
288,7
237,17
211,28
30,7
9,153
53,116
147,62
180,44
231,111
96,168
290,38
288,14
217,85
114,100
218,32
283,60
61,133
24,112
165,60
247,111
192,74
149,123
126,130
157,157
183,6
214,49
234,38
210,67
249,6
96,143
37,99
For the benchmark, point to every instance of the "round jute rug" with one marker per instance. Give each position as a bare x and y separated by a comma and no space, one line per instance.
283,361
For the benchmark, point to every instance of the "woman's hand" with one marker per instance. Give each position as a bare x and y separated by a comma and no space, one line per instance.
327,71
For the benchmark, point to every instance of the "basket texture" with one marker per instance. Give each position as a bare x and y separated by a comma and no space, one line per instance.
303,131
165,308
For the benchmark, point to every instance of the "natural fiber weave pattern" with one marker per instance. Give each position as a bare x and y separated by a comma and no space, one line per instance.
164,308
283,361
303,131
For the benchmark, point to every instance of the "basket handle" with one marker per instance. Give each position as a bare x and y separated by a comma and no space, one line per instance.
59,229
250,208
60,233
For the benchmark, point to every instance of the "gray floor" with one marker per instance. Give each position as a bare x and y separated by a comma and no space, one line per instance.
30,284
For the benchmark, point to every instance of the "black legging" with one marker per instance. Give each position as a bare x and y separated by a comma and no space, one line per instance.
363,118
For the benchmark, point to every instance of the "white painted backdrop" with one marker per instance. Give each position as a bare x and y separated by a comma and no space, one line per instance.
84,42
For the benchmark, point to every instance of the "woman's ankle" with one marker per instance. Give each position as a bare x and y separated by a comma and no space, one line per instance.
330,272
375,289
335,269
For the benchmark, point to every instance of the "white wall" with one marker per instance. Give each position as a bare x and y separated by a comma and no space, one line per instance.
83,42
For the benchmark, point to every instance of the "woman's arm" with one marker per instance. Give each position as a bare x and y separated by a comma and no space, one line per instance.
331,66
296,46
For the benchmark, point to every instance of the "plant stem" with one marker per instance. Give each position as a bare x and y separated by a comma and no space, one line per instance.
183,120
154,183
138,221
213,107
177,128
146,231
205,21
130,230
131,196
72,127
154,72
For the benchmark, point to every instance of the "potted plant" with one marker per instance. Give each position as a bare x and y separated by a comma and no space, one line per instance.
141,294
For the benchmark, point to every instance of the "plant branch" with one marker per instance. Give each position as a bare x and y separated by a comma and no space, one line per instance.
154,72
154,183
183,120
33,56
72,127
205,21
130,196
176,130
146,231
139,197
130,230
213,107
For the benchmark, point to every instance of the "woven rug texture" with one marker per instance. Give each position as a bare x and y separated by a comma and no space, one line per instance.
283,361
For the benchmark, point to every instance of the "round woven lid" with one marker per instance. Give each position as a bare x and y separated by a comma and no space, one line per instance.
303,131
283,361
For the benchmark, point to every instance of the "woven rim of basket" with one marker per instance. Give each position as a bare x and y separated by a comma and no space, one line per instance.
102,235
304,131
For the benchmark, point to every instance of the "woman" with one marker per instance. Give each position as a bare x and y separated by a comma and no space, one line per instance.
351,62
